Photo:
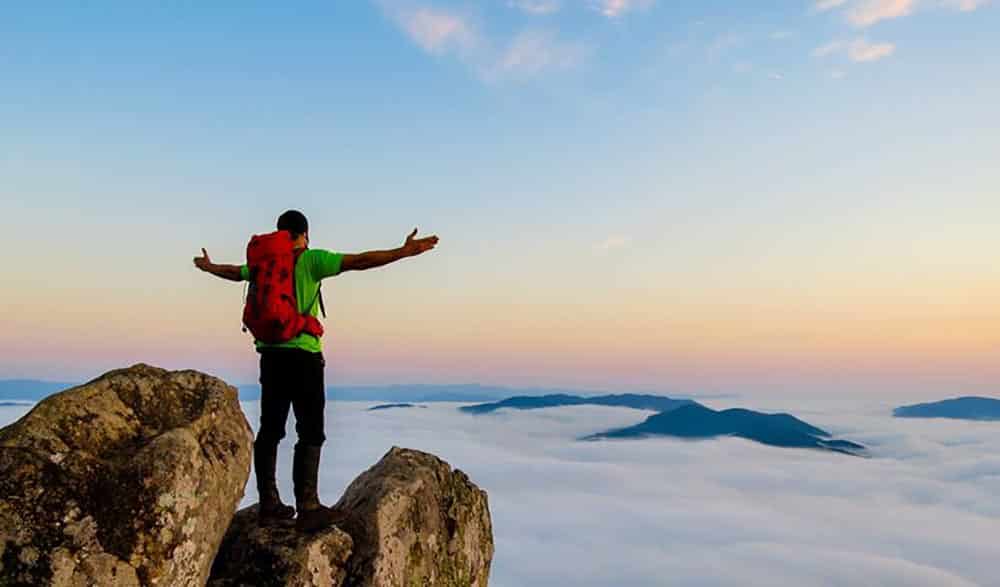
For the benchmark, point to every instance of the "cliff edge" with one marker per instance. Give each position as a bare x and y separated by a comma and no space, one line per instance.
410,520
133,479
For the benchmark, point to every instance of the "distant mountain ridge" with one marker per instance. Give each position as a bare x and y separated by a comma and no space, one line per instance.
401,393
393,406
684,418
697,421
960,408
656,403
429,393
30,389
35,390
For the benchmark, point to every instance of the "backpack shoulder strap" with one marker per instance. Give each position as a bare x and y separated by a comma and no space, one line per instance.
319,286
319,296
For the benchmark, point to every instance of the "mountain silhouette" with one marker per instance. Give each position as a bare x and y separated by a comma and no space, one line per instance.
392,406
656,403
696,421
960,408
30,389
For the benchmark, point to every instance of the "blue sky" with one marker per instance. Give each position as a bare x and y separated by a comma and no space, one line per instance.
697,194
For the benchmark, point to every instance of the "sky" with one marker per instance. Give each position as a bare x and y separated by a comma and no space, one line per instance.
923,511
631,194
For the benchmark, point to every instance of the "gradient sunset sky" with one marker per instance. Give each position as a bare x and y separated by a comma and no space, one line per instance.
678,196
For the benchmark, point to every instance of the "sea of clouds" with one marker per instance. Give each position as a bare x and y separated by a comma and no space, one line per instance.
924,510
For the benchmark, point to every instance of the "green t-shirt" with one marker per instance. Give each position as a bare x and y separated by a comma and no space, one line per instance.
313,266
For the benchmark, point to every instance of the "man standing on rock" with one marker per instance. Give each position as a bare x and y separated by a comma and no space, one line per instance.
291,352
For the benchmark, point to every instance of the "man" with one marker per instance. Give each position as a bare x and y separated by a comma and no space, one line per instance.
291,373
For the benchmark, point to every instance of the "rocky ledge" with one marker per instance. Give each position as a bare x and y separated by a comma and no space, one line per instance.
130,479
133,479
409,520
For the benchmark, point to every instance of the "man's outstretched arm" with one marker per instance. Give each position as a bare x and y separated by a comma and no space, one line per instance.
230,272
371,259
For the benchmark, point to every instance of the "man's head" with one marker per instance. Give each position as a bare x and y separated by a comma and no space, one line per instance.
295,222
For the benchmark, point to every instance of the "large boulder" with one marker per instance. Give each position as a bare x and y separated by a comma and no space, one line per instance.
415,521
410,520
278,555
131,479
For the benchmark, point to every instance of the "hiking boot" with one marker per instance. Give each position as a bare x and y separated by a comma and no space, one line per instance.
319,518
312,515
270,509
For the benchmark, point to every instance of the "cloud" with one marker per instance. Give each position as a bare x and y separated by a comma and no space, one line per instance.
922,512
862,51
434,30
868,12
613,242
828,49
538,7
531,52
528,53
967,5
859,50
616,8
824,5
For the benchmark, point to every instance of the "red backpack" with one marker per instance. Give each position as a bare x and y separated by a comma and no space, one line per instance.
271,312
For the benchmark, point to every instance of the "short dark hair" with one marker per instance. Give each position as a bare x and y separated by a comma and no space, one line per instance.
294,222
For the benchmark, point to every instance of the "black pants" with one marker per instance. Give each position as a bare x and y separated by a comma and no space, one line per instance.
291,378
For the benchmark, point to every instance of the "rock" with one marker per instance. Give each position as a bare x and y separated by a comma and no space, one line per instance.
415,521
410,520
253,555
130,479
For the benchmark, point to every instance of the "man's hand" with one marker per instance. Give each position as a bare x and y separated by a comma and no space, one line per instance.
230,272
203,262
415,246
372,259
